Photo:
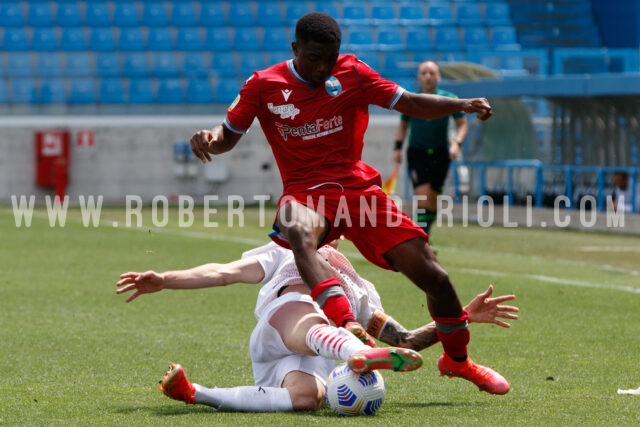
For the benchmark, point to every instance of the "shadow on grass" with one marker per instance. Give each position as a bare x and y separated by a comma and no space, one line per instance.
167,410
161,411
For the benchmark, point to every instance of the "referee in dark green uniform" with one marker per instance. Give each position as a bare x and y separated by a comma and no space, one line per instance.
430,150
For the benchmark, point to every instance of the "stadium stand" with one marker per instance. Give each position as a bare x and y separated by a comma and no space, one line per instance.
220,41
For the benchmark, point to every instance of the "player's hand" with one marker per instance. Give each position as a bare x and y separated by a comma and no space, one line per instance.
143,283
479,106
397,156
483,309
200,143
454,150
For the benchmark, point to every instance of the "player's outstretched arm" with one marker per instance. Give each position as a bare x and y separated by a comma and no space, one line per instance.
429,106
482,309
204,276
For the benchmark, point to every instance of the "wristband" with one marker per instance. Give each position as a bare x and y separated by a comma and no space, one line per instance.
458,141
398,145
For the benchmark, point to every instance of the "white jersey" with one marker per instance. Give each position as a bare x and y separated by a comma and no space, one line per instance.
280,271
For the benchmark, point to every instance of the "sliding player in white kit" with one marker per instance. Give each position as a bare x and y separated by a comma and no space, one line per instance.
292,330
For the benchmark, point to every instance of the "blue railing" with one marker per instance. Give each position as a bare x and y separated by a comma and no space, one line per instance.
572,181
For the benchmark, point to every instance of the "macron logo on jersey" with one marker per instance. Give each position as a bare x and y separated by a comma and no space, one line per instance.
285,111
286,93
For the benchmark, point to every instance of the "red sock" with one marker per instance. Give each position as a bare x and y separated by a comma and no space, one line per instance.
338,310
455,343
335,304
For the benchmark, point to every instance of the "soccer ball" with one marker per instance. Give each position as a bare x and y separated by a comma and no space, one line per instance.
349,393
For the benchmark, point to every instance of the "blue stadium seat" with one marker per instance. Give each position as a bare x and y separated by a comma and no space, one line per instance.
390,39
497,13
270,14
97,14
212,14
141,91
226,90
131,39
134,64
107,64
446,39
217,39
383,14
15,39
439,14
354,14
44,39
199,91
154,14
418,39
183,14
371,58
82,91
39,14
329,8
125,14
246,39
475,38
250,62
18,64
111,91
11,14
170,91
276,39
293,10
194,65
397,64
73,39
78,64
189,39
48,64
53,91
240,14
469,14
359,39
159,38
102,39
223,64
164,64
504,38
278,56
23,91
412,14
68,14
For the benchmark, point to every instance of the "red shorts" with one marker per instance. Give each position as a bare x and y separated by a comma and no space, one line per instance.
369,218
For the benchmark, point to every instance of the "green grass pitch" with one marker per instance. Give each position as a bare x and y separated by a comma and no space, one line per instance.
74,353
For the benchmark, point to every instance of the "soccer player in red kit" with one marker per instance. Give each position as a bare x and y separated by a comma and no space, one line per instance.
313,110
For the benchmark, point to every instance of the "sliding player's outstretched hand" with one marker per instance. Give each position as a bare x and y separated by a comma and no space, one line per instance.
143,283
483,309
479,106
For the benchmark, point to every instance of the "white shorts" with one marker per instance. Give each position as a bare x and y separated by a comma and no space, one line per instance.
271,360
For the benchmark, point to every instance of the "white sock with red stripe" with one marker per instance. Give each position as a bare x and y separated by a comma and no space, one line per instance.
333,343
245,398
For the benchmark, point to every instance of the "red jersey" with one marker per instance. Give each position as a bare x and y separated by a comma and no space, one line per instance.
316,134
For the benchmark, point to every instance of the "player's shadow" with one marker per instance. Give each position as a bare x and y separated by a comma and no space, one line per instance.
161,411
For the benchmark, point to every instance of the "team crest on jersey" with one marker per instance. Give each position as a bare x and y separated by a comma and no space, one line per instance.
333,86
285,111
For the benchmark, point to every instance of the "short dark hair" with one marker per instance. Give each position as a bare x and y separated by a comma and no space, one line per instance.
318,27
